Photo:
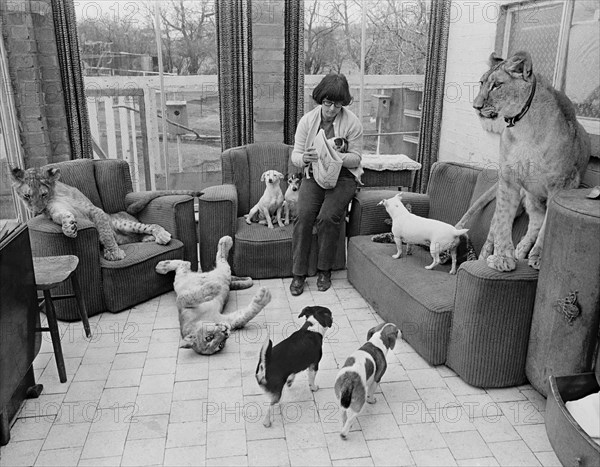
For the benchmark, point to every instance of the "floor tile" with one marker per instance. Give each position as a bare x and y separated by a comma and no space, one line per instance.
148,427
513,453
354,446
272,452
379,426
104,444
467,445
67,436
422,434
389,452
63,457
20,453
185,434
433,457
142,452
234,444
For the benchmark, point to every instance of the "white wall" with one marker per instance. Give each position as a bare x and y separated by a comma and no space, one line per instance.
471,40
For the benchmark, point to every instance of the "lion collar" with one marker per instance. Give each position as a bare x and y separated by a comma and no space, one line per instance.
512,120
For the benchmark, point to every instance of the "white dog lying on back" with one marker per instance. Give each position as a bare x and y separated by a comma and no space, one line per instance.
412,229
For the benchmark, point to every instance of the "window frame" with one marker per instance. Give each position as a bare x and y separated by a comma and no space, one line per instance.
591,125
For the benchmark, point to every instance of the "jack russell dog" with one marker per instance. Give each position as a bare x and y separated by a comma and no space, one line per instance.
412,229
277,366
358,379
271,202
290,203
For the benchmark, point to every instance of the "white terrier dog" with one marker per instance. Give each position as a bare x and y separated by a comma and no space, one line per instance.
412,229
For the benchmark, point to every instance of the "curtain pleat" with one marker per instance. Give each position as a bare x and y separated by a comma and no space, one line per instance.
433,93
65,25
234,50
294,68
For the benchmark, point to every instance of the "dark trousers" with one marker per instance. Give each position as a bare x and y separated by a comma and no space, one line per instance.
327,210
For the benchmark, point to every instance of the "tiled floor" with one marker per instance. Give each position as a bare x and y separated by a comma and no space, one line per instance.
134,398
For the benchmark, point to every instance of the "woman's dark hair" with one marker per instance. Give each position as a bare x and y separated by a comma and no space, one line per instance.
333,87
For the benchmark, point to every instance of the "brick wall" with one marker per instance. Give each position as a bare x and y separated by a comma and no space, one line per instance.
268,69
28,35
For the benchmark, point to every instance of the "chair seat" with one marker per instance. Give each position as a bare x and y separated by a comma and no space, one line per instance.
262,253
50,271
124,281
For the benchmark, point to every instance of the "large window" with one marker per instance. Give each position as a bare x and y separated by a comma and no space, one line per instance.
166,125
563,38
381,47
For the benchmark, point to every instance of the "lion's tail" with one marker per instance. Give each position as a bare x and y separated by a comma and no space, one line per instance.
478,206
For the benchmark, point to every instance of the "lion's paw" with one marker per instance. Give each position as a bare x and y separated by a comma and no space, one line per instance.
535,258
262,297
163,267
502,263
522,249
486,250
225,244
69,227
114,254
161,236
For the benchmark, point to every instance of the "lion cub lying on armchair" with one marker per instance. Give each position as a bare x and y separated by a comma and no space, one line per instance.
201,297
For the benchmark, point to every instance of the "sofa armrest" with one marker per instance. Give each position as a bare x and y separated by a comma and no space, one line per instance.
47,239
175,213
368,218
217,217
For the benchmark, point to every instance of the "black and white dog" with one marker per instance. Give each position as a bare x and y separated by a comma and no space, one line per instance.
358,379
277,366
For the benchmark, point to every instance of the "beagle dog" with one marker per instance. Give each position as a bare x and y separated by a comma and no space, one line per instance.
358,379
271,202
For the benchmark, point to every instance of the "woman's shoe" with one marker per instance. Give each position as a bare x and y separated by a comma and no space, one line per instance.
297,285
323,280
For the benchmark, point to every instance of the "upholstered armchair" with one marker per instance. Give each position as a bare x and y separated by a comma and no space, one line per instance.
115,285
258,252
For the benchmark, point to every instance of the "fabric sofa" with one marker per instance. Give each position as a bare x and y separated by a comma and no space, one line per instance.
115,285
478,321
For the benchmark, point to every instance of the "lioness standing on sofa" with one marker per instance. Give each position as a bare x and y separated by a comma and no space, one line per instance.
543,149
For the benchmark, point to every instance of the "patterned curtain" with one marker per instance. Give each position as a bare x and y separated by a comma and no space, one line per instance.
294,68
65,26
433,94
234,50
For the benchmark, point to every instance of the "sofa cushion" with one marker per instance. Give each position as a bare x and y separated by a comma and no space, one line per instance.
261,252
114,182
80,174
450,189
402,291
133,277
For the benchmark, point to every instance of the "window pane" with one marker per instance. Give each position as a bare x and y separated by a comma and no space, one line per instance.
395,60
536,29
582,83
120,62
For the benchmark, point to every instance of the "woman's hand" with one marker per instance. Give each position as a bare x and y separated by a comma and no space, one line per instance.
310,155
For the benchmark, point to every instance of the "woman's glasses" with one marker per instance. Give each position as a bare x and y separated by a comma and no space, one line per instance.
326,103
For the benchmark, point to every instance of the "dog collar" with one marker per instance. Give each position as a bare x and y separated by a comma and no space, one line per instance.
512,120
